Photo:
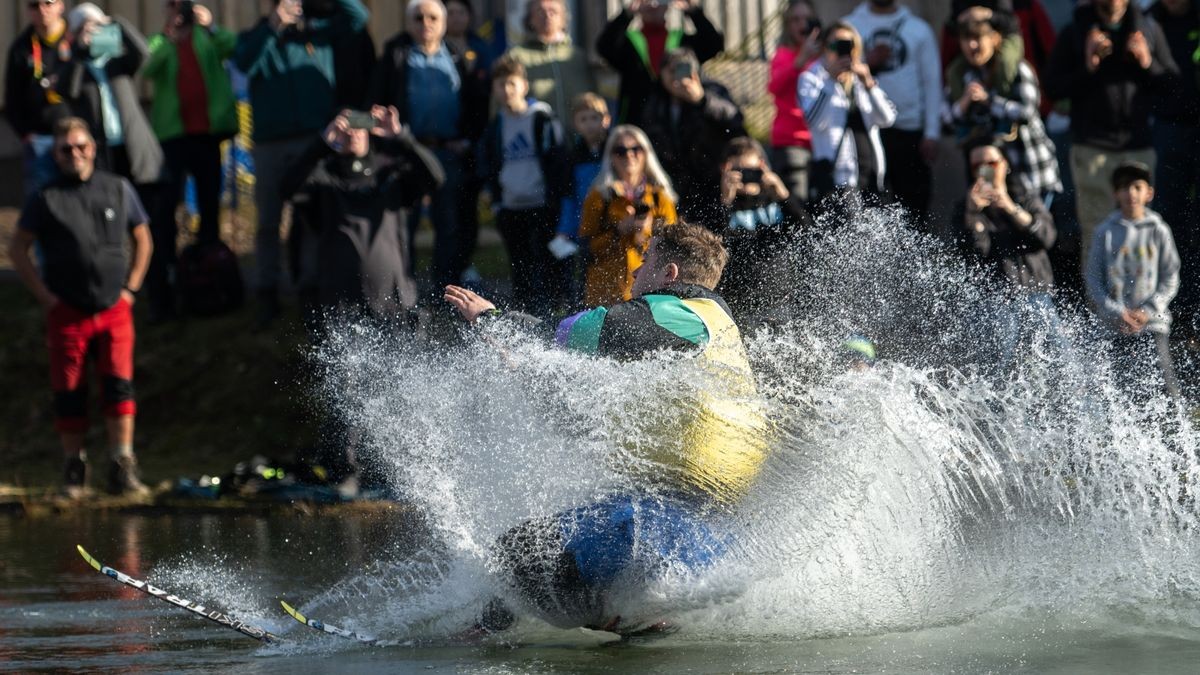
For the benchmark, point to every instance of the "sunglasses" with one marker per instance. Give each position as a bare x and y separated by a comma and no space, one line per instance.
422,18
990,162
34,4
625,150
72,148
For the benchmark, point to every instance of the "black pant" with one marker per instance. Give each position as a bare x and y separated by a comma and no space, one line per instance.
1135,357
908,177
526,234
200,157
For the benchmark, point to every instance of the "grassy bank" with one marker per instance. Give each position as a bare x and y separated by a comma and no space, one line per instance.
210,393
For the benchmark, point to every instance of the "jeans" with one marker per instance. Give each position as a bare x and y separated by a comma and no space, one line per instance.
1134,359
37,159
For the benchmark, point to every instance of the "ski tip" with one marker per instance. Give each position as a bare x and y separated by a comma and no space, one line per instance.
88,557
292,612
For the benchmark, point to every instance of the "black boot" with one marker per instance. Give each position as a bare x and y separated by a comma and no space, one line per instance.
123,478
75,476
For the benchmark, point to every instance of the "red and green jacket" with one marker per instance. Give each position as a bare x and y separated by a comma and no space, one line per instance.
162,71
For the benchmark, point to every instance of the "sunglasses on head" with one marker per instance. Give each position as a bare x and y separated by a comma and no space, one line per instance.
624,150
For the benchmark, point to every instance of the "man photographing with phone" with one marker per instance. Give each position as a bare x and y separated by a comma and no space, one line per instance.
689,120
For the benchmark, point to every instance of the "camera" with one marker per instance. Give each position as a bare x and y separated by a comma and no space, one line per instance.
684,69
360,119
319,9
842,47
186,10
751,176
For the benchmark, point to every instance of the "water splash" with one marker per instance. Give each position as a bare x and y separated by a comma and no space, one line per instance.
947,482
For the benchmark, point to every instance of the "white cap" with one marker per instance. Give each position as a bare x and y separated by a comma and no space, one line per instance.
83,13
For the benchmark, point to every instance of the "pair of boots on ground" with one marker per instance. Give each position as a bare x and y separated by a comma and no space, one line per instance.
122,476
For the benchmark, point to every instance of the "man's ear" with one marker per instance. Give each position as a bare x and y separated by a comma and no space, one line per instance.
1150,195
671,273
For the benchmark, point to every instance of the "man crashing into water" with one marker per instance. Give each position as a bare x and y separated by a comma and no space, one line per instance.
570,566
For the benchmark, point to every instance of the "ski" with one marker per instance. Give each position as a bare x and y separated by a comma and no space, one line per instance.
213,615
317,624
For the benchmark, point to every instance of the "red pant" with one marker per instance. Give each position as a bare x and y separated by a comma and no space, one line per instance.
70,334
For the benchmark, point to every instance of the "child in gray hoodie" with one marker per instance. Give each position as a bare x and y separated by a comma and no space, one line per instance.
1132,272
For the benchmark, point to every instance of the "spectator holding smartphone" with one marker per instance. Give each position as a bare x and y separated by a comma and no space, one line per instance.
991,109
630,197
1108,63
901,52
791,141
288,58
637,54
758,219
689,120
845,110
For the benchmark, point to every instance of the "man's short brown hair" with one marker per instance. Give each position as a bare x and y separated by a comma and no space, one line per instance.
506,67
699,253
66,125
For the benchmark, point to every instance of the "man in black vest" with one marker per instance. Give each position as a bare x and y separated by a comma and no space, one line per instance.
87,284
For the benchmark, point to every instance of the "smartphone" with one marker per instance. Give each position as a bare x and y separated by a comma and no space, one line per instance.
684,70
751,176
187,12
842,47
640,209
360,119
106,41
987,172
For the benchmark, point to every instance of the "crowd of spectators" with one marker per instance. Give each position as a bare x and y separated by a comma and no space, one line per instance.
442,122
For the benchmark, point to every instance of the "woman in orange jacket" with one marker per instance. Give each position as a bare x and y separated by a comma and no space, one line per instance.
631,196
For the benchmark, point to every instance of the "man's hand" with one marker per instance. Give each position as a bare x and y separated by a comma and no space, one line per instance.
286,13
1097,48
204,17
810,50
684,5
980,196
128,297
336,131
690,90
633,226
774,186
731,182
468,303
864,73
387,121
1139,49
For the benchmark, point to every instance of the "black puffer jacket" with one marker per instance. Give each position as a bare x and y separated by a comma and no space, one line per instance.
1110,108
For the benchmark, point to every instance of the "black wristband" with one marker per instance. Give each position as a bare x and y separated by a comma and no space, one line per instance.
126,287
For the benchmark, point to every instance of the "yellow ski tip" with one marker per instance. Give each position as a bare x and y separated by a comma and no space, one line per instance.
293,613
88,557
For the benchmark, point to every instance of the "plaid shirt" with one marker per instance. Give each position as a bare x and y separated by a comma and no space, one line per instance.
1018,130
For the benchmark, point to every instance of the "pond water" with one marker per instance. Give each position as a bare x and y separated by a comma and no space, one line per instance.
57,614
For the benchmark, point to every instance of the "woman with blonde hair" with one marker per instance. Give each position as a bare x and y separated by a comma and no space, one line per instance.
844,109
630,197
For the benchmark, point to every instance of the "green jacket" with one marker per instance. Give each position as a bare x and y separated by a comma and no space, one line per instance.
557,73
291,73
162,71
